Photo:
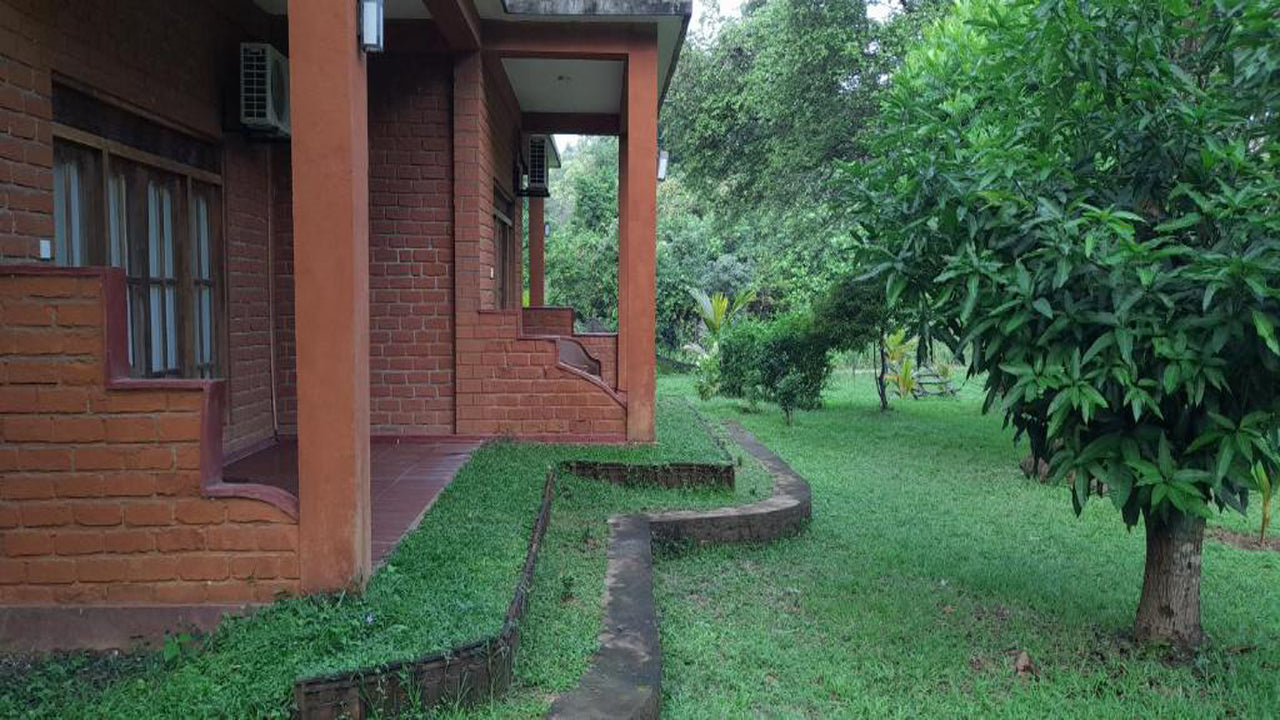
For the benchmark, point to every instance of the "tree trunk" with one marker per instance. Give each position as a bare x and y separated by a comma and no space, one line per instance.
1169,610
884,369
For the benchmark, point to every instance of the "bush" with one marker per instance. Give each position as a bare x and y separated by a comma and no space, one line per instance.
785,361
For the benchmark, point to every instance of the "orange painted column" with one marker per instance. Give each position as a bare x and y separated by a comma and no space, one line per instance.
638,243
330,149
537,253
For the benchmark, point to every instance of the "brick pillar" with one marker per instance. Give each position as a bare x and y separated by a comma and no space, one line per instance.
331,269
537,253
638,185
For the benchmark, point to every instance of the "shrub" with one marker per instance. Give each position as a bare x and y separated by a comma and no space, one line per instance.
785,361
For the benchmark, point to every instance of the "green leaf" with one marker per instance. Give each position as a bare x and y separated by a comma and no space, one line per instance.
1181,223
1042,306
1266,330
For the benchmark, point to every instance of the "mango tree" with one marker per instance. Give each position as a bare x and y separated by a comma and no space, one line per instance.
1091,191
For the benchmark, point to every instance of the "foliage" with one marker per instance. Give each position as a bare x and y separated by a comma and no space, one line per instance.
1090,193
582,245
851,314
759,109
784,361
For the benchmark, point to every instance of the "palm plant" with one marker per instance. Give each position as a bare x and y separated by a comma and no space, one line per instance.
716,312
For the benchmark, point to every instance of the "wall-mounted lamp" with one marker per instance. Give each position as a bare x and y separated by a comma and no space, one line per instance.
662,165
372,15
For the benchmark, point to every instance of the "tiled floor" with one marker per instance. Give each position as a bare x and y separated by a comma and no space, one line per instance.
405,479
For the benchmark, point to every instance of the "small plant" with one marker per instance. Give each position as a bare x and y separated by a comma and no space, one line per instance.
902,380
716,312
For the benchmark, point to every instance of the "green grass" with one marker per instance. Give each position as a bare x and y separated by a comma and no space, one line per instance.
930,560
448,583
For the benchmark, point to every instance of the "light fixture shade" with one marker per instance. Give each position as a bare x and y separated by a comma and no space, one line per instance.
371,25
662,165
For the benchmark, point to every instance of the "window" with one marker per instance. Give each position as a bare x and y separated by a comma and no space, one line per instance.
504,285
159,221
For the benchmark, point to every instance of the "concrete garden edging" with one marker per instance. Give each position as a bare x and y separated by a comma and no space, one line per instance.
623,681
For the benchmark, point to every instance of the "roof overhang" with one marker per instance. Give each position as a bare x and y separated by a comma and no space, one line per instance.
580,90
586,87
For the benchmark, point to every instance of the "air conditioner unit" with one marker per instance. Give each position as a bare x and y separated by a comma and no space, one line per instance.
540,156
264,89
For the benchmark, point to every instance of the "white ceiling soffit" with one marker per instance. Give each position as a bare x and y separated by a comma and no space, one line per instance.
395,9
566,86
670,16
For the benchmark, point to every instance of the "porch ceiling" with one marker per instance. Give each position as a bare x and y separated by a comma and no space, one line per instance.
671,17
566,86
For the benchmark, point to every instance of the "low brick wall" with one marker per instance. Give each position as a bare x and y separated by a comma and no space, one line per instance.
511,385
547,320
106,480
466,674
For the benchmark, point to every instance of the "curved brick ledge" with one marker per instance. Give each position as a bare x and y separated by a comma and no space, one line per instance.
466,674
624,679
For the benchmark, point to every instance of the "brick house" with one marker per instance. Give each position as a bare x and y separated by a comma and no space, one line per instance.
180,293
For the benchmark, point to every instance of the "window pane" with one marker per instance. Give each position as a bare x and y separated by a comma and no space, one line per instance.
153,229
166,218
132,311
76,192
171,327
156,320
206,325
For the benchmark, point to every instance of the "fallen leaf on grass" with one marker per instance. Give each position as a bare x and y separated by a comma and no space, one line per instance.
1023,666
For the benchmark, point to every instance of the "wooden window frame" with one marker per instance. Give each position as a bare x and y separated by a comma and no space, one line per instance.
183,181
503,249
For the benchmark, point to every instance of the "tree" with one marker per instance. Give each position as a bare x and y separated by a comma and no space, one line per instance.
852,315
757,114
1090,193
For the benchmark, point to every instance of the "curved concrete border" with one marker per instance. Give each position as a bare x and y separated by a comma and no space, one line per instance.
624,679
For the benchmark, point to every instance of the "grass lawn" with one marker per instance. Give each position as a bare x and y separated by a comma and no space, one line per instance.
930,562
449,582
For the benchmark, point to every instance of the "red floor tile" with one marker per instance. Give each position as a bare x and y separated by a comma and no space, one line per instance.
405,478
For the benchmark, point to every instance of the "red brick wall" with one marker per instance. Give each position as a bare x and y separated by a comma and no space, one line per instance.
603,347
506,384
411,245
26,152
547,320
247,194
171,62
286,347
101,485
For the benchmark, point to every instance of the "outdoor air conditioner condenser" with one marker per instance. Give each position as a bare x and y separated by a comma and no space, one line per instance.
264,90
539,162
